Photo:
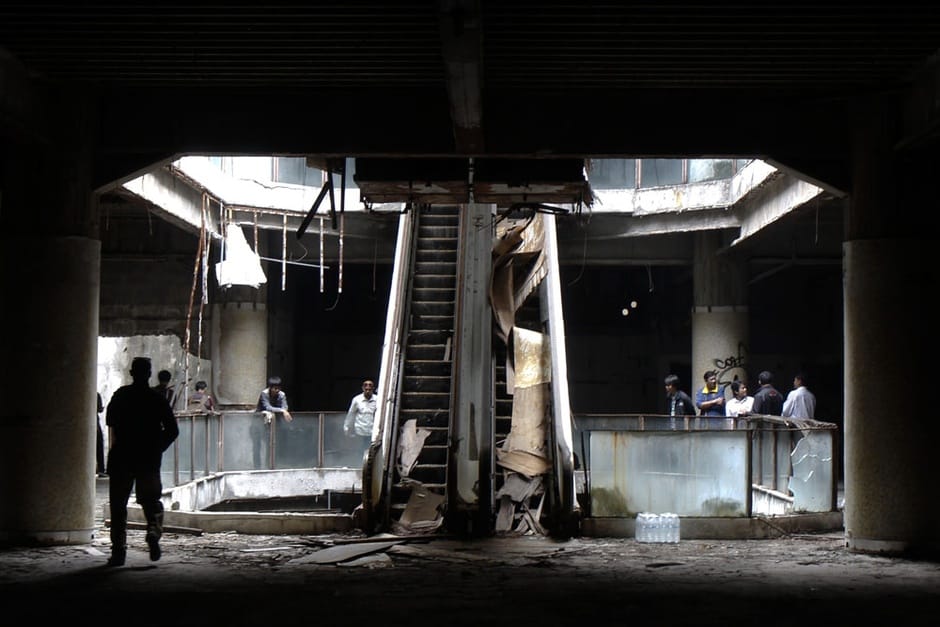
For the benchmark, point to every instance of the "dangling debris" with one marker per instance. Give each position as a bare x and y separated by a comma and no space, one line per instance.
242,266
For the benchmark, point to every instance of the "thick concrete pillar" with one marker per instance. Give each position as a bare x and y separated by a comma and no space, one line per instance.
240,346
719,316
889,269
50,281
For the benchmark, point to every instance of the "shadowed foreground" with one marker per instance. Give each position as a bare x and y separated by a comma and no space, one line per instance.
236,579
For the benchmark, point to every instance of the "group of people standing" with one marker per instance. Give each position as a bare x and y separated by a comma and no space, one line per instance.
711,401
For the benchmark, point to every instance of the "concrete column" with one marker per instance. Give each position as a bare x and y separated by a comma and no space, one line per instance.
891,427
240,350
47,424
50,280
720,315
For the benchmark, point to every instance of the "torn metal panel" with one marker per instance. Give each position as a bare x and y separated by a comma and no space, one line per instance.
344,553
505,515
410,444
525,448
532,355
501,299
519,488
524,462
422,512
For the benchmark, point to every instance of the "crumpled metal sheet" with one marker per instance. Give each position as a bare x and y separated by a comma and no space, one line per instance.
532,356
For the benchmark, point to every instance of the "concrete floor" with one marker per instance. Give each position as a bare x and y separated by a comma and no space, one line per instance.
239,579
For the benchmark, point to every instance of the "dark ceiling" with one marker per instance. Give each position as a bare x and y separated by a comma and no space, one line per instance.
485,79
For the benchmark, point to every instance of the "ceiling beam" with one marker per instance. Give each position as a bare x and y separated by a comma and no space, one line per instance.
461,46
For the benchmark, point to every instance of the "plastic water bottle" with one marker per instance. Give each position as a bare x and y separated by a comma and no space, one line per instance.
642,532
670,528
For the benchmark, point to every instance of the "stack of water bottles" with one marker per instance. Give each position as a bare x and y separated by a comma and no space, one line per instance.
662,528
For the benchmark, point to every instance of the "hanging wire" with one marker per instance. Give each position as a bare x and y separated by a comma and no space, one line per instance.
192,297
375,258
206,245
284,254
583,259
321,255
339,288
256,231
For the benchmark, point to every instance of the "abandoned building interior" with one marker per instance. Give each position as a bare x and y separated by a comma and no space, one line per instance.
517,220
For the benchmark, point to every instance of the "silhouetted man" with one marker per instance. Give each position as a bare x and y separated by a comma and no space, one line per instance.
142,428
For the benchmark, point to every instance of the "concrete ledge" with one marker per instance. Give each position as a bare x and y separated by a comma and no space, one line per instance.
256,523
184,504
707,528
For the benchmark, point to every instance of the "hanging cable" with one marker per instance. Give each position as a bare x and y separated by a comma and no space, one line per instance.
583,259
339,287
192,298
321,254
284,254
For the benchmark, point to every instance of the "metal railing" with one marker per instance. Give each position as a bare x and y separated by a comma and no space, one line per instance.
240,440
701,466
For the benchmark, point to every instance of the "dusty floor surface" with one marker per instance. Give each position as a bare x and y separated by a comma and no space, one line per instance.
234,579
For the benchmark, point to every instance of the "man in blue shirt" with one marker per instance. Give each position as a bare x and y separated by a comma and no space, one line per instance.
710,400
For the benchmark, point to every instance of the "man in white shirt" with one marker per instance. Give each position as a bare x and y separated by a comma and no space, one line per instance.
800,402
361,414
740,403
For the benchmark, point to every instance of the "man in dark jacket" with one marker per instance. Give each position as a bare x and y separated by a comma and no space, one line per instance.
142,428
767,400
678,403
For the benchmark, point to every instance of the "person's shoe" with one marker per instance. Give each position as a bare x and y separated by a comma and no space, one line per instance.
154,545
117,559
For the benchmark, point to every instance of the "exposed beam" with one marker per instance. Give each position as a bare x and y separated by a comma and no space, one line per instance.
461,46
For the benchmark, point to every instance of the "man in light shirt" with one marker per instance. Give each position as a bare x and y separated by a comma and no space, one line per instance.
800,402
740,404
361,414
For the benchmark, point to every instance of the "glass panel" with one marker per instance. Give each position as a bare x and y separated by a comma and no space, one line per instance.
340,451
740,163
168,466
811,483
687,473
294,170
612,173
297,443
214,440
701,170
350,174
185,448
199,462
659,172
245,441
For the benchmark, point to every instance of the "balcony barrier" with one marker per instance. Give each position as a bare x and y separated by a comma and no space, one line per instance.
240,440
699,466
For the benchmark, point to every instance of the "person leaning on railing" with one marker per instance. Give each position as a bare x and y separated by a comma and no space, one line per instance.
201,401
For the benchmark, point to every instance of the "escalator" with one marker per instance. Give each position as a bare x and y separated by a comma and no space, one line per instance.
450,422
419,476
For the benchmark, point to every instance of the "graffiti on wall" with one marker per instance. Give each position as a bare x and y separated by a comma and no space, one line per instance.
732,368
